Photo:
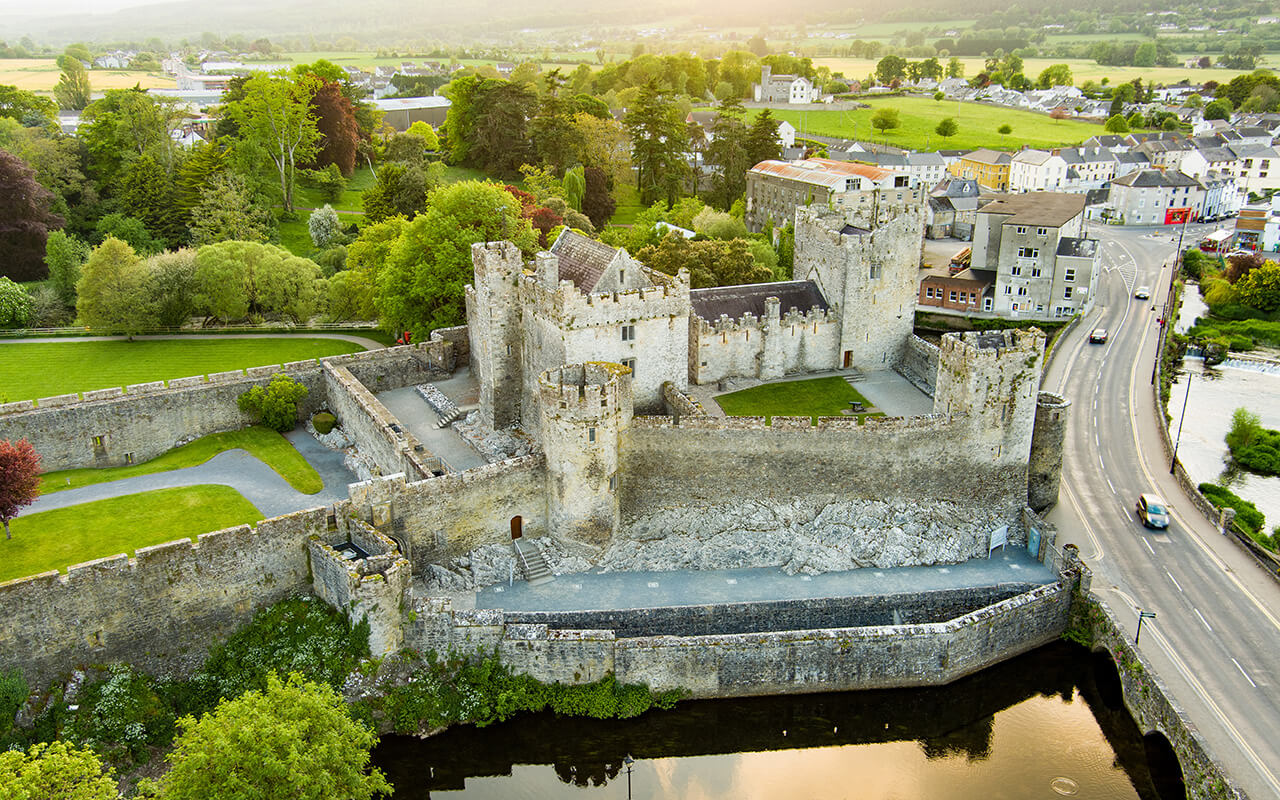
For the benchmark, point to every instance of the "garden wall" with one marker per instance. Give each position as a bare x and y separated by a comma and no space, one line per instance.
160,610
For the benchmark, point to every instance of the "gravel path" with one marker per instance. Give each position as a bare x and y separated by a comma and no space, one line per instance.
260,484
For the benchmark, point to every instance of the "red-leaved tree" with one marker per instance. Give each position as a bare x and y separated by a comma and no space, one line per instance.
19,479
339,131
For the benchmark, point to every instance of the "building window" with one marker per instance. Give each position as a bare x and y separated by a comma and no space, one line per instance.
1041,231
1035,272
1066,293
1022,291
591,434
1028,252
629,363
1020,229
628,333
875,271
1008,290
952,296
613,482
1015,270
1069,276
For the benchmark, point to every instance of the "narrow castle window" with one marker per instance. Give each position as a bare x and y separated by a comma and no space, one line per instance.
628,333
875,271
629,363
97,441
591,434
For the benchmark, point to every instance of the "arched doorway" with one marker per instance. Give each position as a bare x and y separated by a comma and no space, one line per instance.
517,527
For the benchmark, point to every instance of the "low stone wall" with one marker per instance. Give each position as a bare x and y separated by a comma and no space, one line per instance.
374,428
459,338
918,363
367,589
915,608
396,367
160,610
680,403
733,665
1153,709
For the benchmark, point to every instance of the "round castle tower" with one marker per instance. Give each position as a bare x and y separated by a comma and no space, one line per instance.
585,408
1047,437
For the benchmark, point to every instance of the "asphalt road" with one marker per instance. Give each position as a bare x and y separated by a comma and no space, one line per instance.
1216,640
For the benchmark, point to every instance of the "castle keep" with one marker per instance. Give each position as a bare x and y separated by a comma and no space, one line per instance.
590,359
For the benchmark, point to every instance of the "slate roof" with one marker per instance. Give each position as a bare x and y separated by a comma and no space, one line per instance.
985,156
1075,246
735,301
582,259
1051,209
1155,177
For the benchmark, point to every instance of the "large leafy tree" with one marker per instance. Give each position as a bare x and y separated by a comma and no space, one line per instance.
146,193
112,293
292,740
420,287
55,769
28,108
401,189
64,255
276,119
25,220
606,145
659,142
728,151
500,137
19,479
339,131
16,306
710,262
171,285
234,279
72,90
1260,288
58,164
125,125
555,137
597,203
227,210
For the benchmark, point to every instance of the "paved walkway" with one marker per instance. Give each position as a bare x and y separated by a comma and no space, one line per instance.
260,484
619,590
420,419
368,344
889,392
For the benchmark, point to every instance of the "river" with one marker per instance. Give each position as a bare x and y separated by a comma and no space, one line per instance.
1213,396
1034,726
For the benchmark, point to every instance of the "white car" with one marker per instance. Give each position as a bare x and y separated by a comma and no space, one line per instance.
1142,293
1099,336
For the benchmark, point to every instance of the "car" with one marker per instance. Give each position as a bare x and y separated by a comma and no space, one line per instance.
1142,293
1153,511
1099,336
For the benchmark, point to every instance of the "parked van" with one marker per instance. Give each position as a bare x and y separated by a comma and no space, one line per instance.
1153,511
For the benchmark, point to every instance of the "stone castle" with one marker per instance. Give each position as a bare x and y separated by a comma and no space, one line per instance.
590,356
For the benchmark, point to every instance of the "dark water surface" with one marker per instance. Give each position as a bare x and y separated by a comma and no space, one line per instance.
1033,727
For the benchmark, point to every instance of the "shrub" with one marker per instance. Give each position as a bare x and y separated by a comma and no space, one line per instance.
1239,342
1247,514
122,716
13,693
323,422
16,308
276,404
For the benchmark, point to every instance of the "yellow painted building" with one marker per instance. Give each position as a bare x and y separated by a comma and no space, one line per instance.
990,168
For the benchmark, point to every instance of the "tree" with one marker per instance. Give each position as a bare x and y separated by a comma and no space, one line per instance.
351,295
235,279
1005,130
127,124
891,68
728,152
428,134
1117,124
757,45
420,286
605,145
763,143
710,262
170,285
575,186
884,119
336,123
64,255
112,293
947,128
19,480
25,220
275,116
597,203
1218,109
227,210
955,68
324,227
1135,121
294,740
55,769
1260,288
274,405
401,189
1054,75
129,230
659,142
552,129
16,308
72,90
146,193
27,108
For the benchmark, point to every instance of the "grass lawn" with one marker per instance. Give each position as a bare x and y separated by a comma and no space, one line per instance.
820,397
304,197
978,124
270,447
629,206
56,539
41,74
30,370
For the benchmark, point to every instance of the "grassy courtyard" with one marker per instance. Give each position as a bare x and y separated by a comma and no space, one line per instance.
30,370
820,397
920,115
268,446
56,539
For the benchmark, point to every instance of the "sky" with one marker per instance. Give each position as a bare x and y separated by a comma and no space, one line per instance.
58,7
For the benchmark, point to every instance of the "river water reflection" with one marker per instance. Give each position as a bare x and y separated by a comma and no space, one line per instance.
1032,727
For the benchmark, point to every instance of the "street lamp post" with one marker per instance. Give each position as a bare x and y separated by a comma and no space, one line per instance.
1173,466
628,760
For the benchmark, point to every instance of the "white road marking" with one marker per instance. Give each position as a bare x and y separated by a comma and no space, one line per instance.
1109,486
1148,544
1245,674
1175,581
1204,621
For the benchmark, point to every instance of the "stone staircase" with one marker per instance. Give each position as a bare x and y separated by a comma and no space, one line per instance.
453,415
531,561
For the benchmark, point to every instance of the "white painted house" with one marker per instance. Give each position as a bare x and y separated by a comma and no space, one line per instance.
1037,171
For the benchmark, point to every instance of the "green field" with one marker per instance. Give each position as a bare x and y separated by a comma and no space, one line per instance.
30,370
820,397
919,116
56,539
267,445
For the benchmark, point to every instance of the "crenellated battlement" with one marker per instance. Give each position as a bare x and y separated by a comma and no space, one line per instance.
571,309
991,345
589,391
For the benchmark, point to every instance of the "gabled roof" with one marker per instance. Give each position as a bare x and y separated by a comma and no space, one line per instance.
985,156
1145,178
736,301
820,171
1086,155
1052,209
1035,157
582,259
956,187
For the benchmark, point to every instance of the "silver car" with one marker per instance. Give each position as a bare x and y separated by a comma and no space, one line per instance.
1153,511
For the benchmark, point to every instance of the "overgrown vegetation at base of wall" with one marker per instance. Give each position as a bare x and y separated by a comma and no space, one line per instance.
1243,334
479,689
127,716
1248,517
1175,347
